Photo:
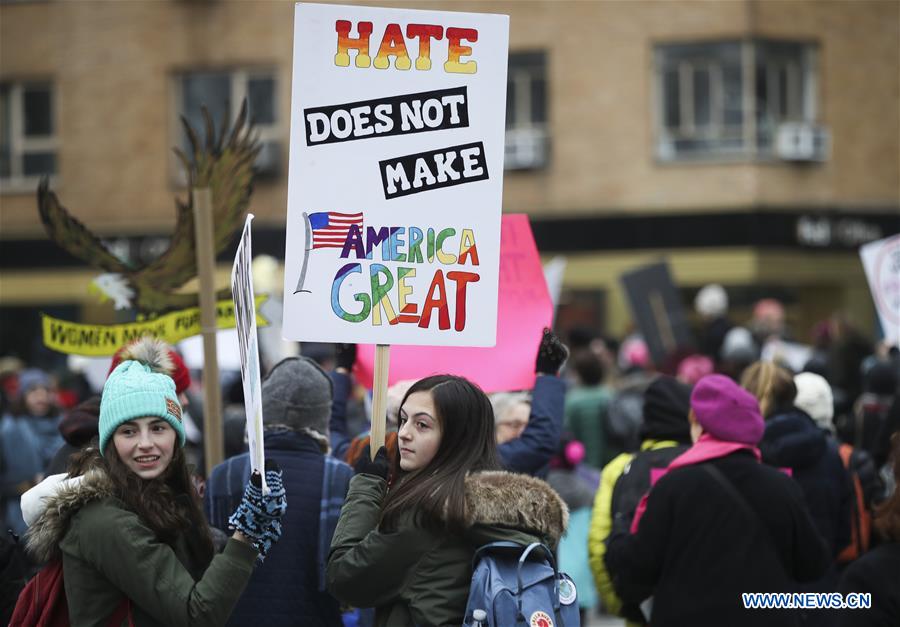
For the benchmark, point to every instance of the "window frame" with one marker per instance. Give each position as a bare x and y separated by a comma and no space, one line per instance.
806,72
239,79
805,80
17,181
525,75
525,129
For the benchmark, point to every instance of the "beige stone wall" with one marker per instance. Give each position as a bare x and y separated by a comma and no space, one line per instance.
859,99
823,283
113,63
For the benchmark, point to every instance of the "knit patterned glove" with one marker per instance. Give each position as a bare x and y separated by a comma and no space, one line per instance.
552,354
271,535
259,516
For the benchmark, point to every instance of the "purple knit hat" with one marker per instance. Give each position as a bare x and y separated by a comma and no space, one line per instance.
727,411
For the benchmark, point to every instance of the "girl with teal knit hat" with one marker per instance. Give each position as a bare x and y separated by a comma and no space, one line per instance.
127,524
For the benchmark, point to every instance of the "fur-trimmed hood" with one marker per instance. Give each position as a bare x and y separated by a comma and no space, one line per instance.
64,501
514,501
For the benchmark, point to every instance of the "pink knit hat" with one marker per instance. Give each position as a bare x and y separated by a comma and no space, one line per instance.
693,368
727,411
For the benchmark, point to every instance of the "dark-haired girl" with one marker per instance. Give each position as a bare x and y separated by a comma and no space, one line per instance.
127,524
407,549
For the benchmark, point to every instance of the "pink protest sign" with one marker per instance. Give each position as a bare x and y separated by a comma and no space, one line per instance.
524,309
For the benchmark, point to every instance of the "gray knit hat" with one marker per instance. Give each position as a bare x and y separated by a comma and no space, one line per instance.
296,394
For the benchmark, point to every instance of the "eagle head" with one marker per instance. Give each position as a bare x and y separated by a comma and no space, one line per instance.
114,286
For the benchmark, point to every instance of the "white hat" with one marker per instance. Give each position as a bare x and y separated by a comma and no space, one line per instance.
815,398
711,301
739,345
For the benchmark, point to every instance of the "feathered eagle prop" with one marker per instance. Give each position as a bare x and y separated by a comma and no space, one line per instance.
225,166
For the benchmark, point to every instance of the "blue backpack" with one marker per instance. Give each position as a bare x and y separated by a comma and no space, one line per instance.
510,589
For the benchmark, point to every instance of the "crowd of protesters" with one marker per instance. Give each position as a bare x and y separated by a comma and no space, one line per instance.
666,490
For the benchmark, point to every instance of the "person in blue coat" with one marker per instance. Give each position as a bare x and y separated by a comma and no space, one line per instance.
29,437
531,451
342,384
289,587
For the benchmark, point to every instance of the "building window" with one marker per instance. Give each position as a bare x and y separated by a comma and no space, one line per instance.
222,93
785,85
526,111
701,100
708,109
28,141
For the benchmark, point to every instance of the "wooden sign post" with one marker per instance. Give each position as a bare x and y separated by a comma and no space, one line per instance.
213,438
379,397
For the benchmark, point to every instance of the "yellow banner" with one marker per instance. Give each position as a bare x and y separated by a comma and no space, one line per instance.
103,340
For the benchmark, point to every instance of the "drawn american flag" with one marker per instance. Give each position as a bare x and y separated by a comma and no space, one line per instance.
330,228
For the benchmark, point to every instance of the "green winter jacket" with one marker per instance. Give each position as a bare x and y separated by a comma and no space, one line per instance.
415,576
108,553
584,419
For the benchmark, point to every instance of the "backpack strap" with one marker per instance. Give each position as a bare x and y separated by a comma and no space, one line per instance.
739,498
531,547
860,522
515,546
845,451
723,481
479,553
523,557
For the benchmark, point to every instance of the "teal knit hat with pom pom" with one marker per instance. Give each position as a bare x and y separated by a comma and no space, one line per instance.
134,390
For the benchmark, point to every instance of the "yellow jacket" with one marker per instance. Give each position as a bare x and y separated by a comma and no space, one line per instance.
601,522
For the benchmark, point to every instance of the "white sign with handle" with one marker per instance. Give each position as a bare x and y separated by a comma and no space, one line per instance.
245,324
396,176
881,261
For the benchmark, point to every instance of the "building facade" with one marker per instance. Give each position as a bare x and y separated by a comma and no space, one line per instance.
755,144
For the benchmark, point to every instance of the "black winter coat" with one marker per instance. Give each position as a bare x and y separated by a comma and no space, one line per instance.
696,550
792,440
878,573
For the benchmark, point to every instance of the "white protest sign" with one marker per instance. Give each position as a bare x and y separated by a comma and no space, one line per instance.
396,176
554,274
881,261
227,352
245,326
794,355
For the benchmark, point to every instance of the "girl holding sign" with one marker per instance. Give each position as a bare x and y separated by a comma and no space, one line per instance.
126,530
407,548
